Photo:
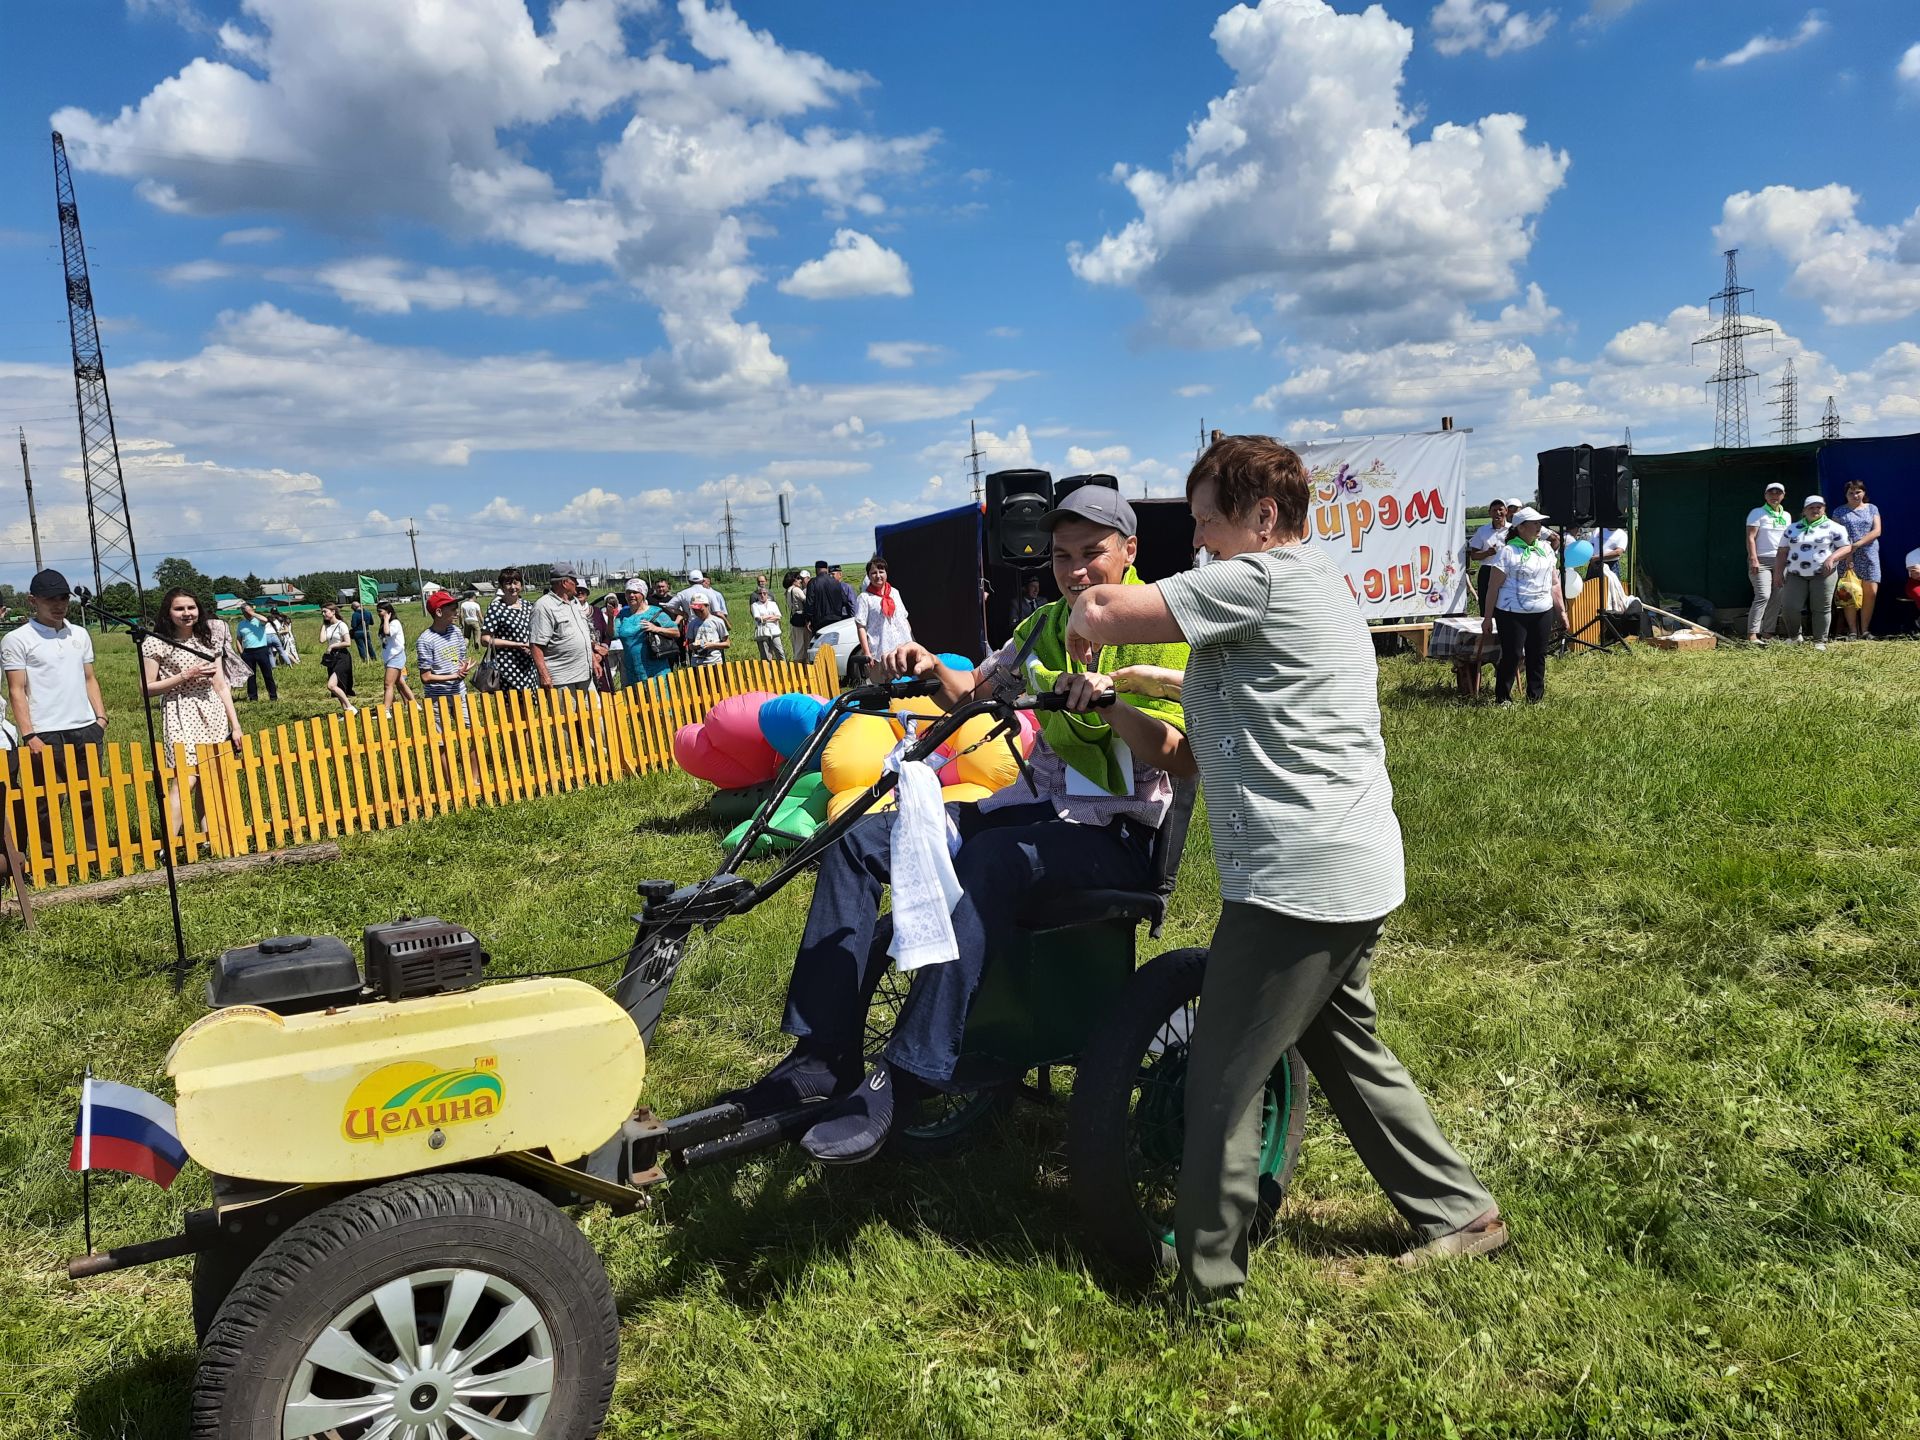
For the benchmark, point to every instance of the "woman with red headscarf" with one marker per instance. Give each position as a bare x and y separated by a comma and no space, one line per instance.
880,615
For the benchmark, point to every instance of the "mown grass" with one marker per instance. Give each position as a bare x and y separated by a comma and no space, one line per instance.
1658,973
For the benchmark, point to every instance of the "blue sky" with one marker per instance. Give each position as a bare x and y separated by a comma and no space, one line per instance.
562,279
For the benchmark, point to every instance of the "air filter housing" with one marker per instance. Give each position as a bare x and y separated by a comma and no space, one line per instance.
423,956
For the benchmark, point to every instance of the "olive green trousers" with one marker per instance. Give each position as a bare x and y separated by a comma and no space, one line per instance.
1274,982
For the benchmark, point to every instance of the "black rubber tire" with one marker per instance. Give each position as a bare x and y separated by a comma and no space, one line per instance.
324,1262
1100,1116
945,1124
215,1273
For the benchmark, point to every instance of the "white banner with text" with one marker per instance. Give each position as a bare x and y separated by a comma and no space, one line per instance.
1392,510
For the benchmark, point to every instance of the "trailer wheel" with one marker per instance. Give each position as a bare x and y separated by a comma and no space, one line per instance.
940,1124
450,1305
1127,1121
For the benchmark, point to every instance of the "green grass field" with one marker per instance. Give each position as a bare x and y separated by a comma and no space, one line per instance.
1658,973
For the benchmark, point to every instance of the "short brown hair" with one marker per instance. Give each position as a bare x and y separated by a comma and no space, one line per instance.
1247,468
509,576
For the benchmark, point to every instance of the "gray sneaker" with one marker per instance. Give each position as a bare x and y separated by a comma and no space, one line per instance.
1479,1237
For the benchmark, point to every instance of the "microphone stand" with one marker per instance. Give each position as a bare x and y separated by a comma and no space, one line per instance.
141,633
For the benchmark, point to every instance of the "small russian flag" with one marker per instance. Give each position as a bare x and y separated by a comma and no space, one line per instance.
121,1128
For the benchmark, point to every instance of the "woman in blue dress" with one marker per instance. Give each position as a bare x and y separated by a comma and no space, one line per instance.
645,631
1861,521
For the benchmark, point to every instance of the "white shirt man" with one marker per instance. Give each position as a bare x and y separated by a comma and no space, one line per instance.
53,694
697,585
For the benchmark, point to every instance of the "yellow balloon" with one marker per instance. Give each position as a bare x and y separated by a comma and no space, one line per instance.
854,755
964,794
846,797
915,705
990,766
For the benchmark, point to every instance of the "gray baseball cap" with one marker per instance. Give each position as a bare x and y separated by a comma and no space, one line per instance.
564,571
1101,504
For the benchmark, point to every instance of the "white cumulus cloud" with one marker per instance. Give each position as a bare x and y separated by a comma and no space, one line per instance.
1763,44
1306,198
901,354
1858,272
298,109
1908,70
1489,25
856,266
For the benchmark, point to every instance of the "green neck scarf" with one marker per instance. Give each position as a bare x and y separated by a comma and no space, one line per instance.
1527,547
1085,742
1776,514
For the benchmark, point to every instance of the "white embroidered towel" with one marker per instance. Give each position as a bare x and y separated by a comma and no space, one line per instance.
925,889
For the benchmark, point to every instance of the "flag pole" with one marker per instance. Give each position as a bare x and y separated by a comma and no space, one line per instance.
86,1155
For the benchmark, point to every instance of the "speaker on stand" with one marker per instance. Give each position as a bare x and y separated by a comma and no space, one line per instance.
1016,502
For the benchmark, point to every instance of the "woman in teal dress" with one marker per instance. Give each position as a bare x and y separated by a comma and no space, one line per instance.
637,626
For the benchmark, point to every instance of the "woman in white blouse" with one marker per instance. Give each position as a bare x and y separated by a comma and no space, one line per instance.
1484,545
1526,580
1765,525
880,614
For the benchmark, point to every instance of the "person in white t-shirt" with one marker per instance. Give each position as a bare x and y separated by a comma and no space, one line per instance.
55,699
1806,568
1527,600
766,623
470,619
1483,546
1765,525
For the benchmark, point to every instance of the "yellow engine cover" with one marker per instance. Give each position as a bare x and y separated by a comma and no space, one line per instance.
386,1089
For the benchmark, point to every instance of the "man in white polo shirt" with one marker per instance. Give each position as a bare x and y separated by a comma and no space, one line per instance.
53,694
1765,525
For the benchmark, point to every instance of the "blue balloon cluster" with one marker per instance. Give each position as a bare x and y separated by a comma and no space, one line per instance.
1579,553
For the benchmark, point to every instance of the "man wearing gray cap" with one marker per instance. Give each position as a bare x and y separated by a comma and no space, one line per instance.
563,646
1105,785
53,694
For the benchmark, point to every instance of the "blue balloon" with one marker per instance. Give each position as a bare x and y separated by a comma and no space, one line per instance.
957,662
787,720
1579,553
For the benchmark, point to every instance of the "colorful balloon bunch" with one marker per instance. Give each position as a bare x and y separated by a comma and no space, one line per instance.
746,738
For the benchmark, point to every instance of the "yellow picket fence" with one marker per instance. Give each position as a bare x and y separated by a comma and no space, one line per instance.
322,778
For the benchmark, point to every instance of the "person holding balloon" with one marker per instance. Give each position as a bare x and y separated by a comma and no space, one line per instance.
1104,785
1528,598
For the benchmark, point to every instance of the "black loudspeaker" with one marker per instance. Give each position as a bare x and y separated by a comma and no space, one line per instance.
1016,501
1066,485
1580,484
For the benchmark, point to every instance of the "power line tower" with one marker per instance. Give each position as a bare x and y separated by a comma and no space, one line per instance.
733,560
419,582
33,520
1732,374
109,526
973,458
1788,404
1830,422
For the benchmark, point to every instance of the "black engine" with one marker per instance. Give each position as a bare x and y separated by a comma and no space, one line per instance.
292,974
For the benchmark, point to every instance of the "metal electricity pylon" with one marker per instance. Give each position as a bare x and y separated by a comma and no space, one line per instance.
1830,421
109,526
1732,374
1788,404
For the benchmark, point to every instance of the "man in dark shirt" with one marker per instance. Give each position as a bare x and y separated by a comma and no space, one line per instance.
828,599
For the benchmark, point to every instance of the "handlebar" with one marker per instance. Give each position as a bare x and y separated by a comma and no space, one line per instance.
879,695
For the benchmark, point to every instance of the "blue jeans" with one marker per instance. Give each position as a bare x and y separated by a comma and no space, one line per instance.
1004,856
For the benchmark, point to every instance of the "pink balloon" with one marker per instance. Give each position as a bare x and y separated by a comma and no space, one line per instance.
733,727
1029,731
728,750
708,762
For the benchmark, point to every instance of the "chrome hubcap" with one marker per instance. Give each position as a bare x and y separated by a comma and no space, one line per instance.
435,1355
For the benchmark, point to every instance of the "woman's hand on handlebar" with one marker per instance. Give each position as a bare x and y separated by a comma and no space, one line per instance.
1084,690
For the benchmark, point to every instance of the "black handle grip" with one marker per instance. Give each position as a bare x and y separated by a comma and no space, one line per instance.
1057,700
